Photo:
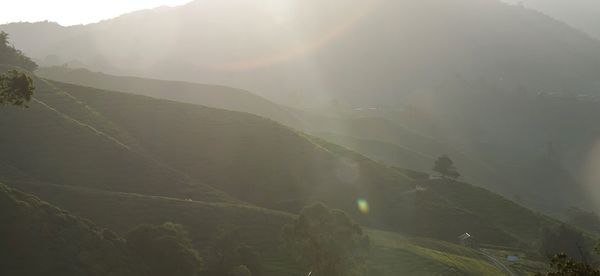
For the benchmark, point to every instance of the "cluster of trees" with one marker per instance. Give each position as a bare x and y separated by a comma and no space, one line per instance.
327,242
324,241
16,87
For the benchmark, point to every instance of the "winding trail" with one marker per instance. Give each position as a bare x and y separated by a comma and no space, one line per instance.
497,263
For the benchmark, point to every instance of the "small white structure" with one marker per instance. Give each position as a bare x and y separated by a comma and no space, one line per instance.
462,239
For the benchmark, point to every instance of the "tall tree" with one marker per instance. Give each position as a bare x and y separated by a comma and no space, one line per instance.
327,242
445,167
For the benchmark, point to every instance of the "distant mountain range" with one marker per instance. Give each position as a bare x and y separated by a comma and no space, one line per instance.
314,52
581,14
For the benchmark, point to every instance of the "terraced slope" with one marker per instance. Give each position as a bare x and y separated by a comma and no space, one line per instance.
269,165
215,96
81,136
391,254
37,238
60,140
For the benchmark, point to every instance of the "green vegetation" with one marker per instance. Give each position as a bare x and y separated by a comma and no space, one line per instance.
215,96
37,238
165,248
565,239
134,144
259,228
327,242
204,180
16,88
562,265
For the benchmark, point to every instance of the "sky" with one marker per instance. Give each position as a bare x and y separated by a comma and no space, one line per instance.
73,12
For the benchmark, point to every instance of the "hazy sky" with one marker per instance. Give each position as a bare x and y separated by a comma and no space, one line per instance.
72,12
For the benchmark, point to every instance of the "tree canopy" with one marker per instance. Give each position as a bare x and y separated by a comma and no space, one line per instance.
16,88
445,167
327,242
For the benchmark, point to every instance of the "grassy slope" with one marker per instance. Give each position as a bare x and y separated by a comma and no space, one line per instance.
389,153
511,218
39,239
392,254
174,147
278,168
60,140
202,94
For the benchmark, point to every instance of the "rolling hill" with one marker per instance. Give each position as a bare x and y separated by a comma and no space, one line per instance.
201,94
391,254
319,53
207,143
39,239
128,143
487,145
60,140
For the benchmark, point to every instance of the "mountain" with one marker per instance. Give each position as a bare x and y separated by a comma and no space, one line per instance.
581,14
311,52
39,239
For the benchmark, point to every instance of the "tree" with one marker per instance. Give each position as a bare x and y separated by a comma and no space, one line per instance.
562,265
11,56
327,242
16,88
445,167
166,249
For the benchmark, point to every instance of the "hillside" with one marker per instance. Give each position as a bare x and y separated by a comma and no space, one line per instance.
127,143
60,140
201,94
339,51
581,14
39,239
201,142
392,254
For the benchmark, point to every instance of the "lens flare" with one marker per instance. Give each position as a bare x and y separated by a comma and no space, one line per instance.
307,46
363,205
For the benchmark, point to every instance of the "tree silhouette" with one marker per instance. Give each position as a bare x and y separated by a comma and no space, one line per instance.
326,241
16,88
445,167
